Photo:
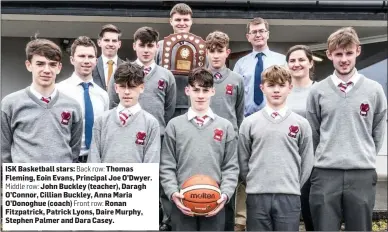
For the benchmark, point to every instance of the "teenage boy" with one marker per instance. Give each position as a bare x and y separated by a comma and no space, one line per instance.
126,133
250,68
39,124
199,142
109,40
80,86
276,157
228,101
347,113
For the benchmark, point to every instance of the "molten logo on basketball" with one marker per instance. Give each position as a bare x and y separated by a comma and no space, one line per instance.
202,196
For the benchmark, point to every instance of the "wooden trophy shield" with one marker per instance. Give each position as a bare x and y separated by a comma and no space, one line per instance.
183,52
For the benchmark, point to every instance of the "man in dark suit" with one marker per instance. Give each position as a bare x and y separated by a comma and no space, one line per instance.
109,42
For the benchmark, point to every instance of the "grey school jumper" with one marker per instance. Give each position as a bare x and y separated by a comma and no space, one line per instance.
35,132
158,98
138,141
228,102
348,128
275,156
189,150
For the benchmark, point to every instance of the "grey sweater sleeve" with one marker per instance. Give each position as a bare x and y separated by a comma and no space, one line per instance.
240,103
76,136
229,167
168,163
313,115
113,96
379,119
95,146
170,101
244,150
306,153
152,149
6,138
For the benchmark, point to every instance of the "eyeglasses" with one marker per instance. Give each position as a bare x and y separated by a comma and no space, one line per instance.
261,32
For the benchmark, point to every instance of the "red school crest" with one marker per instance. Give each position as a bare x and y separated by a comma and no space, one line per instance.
140,137
229,89
293,131
66,115
161,84
364,108
218,133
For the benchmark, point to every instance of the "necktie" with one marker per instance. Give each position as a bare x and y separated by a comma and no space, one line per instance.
123,117
343,86
89,116
46,99
275,114
258,94
200,120
217,75
147,70
110,71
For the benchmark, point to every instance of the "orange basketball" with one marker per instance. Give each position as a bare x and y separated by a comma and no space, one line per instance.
200,193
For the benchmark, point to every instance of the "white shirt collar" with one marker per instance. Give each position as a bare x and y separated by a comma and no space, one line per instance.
39,96
105,59
153,65
131,110
337,80
282,112
192,114
76,80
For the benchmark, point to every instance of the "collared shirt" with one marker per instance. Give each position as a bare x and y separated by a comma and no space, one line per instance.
72,87
336,80
282,112
192,114
39,96
129,111
246,67
153,65
105,62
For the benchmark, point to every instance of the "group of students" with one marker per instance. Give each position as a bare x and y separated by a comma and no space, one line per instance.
277,142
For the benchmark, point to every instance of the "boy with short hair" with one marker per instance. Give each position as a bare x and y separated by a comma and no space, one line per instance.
126,133
39,119
347,113
276,157
228,101
199,142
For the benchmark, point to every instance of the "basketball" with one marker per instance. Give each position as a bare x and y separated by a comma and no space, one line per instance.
200,193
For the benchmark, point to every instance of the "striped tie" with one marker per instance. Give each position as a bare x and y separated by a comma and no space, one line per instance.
275,114
123,117
218,76
147,70
46,99
200,120
343,86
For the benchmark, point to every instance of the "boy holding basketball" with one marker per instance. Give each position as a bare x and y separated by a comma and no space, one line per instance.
276,157
126,133
199,143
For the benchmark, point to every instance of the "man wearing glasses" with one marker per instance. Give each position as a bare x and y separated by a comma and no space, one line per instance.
250,67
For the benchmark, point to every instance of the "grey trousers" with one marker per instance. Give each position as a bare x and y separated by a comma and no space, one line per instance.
342,194
273,212
181,222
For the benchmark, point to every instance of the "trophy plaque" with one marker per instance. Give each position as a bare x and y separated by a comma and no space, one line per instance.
183,52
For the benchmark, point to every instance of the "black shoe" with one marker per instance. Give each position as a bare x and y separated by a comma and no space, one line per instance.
164,227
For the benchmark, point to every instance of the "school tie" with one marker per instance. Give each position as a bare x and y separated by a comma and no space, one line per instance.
46,99
258,94
274,114
217,76
200,120
89,116
343,86
123,117
146,71
110,71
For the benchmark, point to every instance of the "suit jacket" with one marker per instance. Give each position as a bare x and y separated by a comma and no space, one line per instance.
98,73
